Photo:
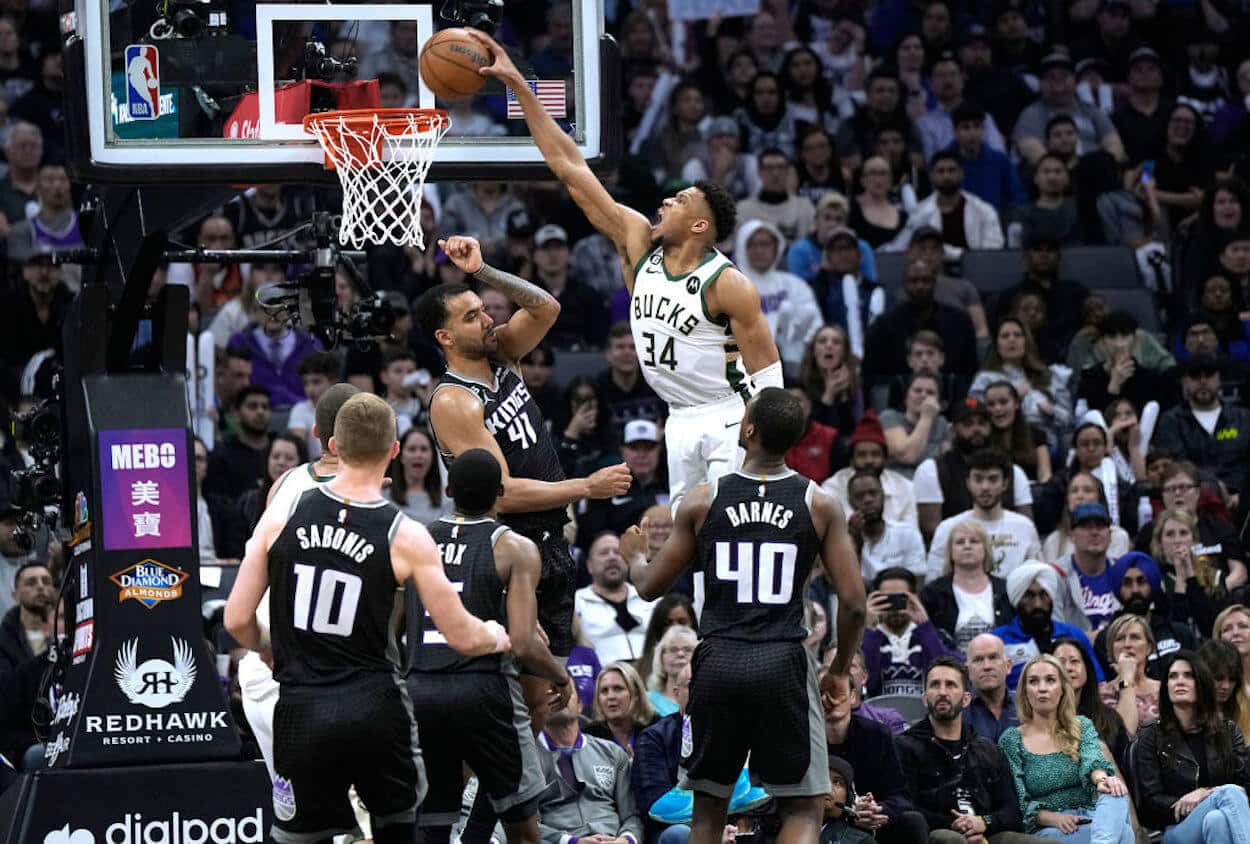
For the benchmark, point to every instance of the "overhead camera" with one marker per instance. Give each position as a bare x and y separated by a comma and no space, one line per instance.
39,427
319,64
189,19
305,303
37,488
372,317
478,14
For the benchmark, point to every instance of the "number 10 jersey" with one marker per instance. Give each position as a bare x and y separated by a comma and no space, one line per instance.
334,604
756,550
687,357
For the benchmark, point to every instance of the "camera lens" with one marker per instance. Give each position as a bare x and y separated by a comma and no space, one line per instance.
187,24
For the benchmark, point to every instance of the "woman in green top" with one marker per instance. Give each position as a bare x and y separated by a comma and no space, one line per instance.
1068,790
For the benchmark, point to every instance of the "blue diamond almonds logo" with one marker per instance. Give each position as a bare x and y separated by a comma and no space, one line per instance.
149,582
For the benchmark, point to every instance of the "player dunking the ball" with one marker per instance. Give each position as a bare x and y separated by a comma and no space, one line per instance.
703,342
755,534
336,559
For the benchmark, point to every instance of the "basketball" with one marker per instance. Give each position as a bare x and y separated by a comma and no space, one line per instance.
449,64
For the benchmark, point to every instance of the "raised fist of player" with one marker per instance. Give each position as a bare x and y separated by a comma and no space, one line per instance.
609,482
465,252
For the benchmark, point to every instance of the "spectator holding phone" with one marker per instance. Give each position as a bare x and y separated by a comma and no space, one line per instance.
899,648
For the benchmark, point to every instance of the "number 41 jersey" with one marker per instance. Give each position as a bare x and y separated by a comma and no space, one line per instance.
756,550
512,417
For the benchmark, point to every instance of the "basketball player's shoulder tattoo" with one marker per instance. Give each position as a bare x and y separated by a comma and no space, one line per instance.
525,294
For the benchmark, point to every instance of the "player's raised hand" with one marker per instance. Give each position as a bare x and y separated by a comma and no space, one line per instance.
502,67
465,252
634,542
609,482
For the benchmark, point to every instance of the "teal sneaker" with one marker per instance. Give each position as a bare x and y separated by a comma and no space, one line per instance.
676,806
746,797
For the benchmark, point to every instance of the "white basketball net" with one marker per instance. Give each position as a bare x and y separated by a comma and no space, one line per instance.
382,165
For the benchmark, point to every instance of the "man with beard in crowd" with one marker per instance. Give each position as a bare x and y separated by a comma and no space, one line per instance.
1033,588
613,616
23,631
1207,430
965,220
238,461
942,483
1141,594
958,780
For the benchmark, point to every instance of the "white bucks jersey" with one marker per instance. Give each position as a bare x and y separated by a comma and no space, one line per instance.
687,357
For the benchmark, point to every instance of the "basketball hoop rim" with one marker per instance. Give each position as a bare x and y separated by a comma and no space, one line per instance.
426,118
396,122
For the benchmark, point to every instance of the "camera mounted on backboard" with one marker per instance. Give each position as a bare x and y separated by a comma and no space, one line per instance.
189,19
478,14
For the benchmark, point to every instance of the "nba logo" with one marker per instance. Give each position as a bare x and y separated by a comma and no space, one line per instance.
143,82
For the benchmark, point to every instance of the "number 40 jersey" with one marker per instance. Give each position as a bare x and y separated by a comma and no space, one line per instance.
756,550
687,357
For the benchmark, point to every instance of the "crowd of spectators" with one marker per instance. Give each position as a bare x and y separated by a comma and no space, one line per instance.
1043,477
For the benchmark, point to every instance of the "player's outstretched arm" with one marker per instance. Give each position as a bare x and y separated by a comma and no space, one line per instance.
524,564
628,230
842,568
654,580
734,296
414,556
251,583
456,416
538,308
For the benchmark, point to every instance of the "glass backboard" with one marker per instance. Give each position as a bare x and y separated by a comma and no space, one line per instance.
216,90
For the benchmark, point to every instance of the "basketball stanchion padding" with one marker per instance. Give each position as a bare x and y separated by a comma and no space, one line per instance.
382,157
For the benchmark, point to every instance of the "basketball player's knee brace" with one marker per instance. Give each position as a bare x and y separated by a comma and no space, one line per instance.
769,376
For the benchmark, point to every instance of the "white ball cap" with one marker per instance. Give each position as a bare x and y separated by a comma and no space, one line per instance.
641,430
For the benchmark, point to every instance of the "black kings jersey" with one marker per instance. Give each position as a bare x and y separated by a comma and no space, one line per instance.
756,550
514,420
334,604
467,550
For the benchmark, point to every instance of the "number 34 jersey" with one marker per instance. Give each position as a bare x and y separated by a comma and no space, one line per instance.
334,604
687,357
756,550
513,418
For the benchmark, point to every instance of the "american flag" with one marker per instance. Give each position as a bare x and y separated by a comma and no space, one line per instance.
550,93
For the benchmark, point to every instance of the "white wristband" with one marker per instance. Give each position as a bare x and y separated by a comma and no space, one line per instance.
769,376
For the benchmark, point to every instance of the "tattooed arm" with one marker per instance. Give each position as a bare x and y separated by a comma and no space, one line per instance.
538,308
